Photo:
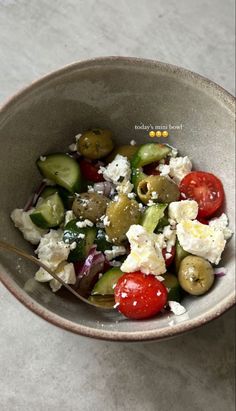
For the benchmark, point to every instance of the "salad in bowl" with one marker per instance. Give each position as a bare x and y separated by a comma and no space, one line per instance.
132,227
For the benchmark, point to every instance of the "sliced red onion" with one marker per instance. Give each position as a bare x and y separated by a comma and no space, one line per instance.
105,188
87,274
33,198
220,271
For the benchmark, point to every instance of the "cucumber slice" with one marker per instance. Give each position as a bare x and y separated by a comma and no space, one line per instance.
137,175
48,191
180,254
66,196
162,223
61,169
106,284
174,289
102,243
102,300
152,216
148,153
84,238
49,213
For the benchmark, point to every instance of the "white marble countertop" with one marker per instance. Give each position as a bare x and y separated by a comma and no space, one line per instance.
45,368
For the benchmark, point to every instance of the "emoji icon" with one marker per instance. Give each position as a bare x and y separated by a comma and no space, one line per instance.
158,133
165,133
152,133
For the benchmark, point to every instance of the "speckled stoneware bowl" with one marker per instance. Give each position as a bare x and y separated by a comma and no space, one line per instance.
123,94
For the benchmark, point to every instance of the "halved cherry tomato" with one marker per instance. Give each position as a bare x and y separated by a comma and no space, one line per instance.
90,171
206,189
139,295
202,220
168,256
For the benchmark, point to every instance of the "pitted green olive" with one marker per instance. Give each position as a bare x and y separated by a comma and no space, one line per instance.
166,190
96,143
90,205
196,275
121,214
126,151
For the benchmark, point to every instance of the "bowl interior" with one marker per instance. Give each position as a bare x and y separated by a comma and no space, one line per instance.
124,95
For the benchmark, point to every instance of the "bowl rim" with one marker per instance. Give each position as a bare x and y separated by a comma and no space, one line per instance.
157,334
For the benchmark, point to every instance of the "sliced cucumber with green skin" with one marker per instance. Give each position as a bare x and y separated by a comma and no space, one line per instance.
152,216
149,153
84,238
66,196
49,212
102,300
137,175
174,289
61,169
180,254
106,284
102,243
162,223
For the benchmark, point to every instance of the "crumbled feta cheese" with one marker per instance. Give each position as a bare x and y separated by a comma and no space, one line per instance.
179,168
131,196
135,303
176,308
72,147
141,206
77,137
90,189
133,143
69,215
115,263
105,220
169,234
168,255
73,245
150,203
52,250
81,236
164,169
221,223
85,223
43,158
201,240
146,252
124,295
114,252
30,231
67,274
117,171
154,195
125,187
183,210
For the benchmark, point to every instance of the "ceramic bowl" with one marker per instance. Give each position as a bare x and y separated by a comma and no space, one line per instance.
126,95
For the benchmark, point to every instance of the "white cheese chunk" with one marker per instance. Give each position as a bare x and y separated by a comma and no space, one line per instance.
146,252
115,252
30,231
183,210
66,273
84,223
221,223
176,308
69,215
52,250
201,240
117,171
179,168
125,187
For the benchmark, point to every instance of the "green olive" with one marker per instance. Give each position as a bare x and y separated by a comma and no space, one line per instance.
196,275
121,215
90,205
126,151
96,143
167,191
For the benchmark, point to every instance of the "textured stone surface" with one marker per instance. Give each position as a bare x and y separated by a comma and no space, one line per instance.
45,368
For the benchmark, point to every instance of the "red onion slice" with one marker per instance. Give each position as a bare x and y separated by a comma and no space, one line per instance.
105,188
33,198
220,271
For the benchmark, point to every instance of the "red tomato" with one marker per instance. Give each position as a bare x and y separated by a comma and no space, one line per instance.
139,295
171,256
90,171
202,220
206,189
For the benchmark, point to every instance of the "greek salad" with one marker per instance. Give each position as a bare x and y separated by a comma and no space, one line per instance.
131,227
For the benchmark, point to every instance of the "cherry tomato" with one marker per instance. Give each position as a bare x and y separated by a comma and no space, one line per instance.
139,295
202,220
90,171
168,256
206,189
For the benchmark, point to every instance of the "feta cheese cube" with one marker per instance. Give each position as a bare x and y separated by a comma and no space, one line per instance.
179,168
52,250
183,210
117,171
146,252
67,274
201,240
30,231
221,223
115,252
